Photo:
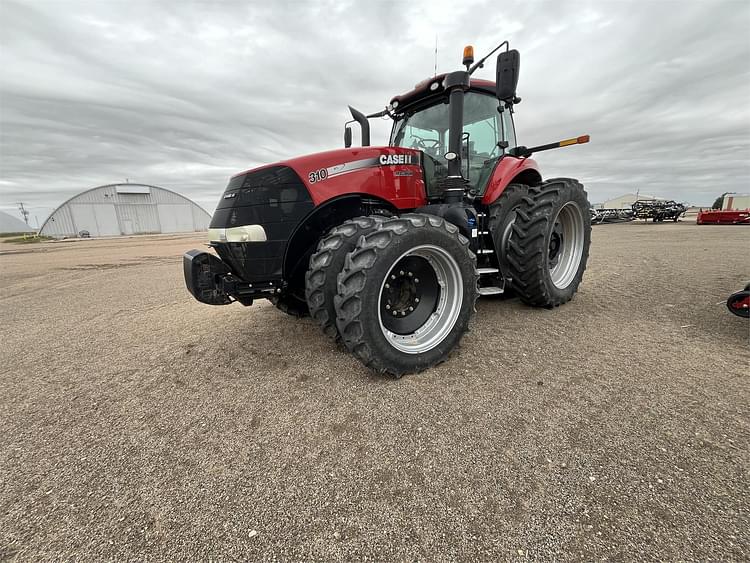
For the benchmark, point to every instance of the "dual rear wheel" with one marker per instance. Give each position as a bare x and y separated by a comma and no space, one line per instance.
542,236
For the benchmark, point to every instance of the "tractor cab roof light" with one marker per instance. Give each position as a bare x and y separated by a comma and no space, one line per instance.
468,56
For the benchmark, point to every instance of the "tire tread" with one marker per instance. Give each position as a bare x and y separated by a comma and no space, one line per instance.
527,251
349,302
320,278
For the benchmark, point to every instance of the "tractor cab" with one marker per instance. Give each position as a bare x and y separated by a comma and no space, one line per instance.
463,127
487,132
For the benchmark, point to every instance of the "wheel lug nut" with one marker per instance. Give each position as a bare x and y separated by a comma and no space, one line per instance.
387,286
416,300
411,308
395,313
393,276
401,272
416,280
410,274
388,307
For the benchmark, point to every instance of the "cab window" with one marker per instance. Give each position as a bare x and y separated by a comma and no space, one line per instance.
484,126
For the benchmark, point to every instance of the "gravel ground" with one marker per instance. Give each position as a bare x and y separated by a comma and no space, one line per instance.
136,423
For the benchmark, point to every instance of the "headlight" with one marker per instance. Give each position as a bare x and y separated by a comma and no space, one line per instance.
247,233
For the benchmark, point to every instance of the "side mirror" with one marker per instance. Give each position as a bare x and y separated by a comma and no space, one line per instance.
347,136
506,81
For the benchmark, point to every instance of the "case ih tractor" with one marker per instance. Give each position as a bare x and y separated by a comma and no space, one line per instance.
388,247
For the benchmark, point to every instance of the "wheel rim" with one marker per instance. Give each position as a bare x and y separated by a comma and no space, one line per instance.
566,245
420,299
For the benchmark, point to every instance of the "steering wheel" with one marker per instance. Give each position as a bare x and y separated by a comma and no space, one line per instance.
423,143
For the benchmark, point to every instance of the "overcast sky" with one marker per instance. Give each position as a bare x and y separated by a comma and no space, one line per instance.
183,95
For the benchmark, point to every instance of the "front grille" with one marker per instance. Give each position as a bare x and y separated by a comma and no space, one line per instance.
274,198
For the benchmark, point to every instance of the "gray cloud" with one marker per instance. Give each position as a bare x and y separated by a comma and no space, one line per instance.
185,94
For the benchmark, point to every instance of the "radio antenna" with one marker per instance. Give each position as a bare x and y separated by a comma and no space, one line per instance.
436,37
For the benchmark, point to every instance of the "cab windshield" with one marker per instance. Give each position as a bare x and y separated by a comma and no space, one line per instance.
484,126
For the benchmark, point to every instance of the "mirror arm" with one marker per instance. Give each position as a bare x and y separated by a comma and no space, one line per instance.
487,56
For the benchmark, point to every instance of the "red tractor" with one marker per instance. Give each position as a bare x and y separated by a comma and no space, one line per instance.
388,247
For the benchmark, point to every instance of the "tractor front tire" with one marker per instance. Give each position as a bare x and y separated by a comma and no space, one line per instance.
406,294
325,264
549,247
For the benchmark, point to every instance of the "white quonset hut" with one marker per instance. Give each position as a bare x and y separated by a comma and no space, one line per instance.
9,224
125,209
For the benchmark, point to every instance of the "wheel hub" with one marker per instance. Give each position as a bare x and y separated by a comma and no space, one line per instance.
410,295
556,242
437,282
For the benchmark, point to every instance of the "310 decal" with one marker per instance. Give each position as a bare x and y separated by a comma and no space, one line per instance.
318,175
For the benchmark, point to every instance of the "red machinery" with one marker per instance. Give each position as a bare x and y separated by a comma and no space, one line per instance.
739,303
724,217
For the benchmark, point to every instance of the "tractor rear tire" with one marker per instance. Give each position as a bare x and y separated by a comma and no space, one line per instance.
502,214
406,294
325,264
549,247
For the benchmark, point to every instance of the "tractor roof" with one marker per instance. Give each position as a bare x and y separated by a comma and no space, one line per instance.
425,89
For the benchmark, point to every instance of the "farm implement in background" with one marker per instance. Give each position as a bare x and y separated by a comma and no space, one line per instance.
658,210
599,216
723,217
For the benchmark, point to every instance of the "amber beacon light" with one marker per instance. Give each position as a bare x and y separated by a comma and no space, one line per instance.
468,55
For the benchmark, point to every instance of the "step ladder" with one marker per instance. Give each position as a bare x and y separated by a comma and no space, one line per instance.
485,290
490,280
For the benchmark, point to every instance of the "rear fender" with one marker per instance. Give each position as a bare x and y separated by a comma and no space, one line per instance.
511,170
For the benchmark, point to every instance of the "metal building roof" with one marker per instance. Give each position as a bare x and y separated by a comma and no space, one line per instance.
10,224
125,209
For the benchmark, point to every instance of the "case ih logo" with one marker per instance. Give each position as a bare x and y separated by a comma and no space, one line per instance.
354,165
386,159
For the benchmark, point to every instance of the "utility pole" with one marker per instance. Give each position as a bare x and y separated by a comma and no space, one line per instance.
24,213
